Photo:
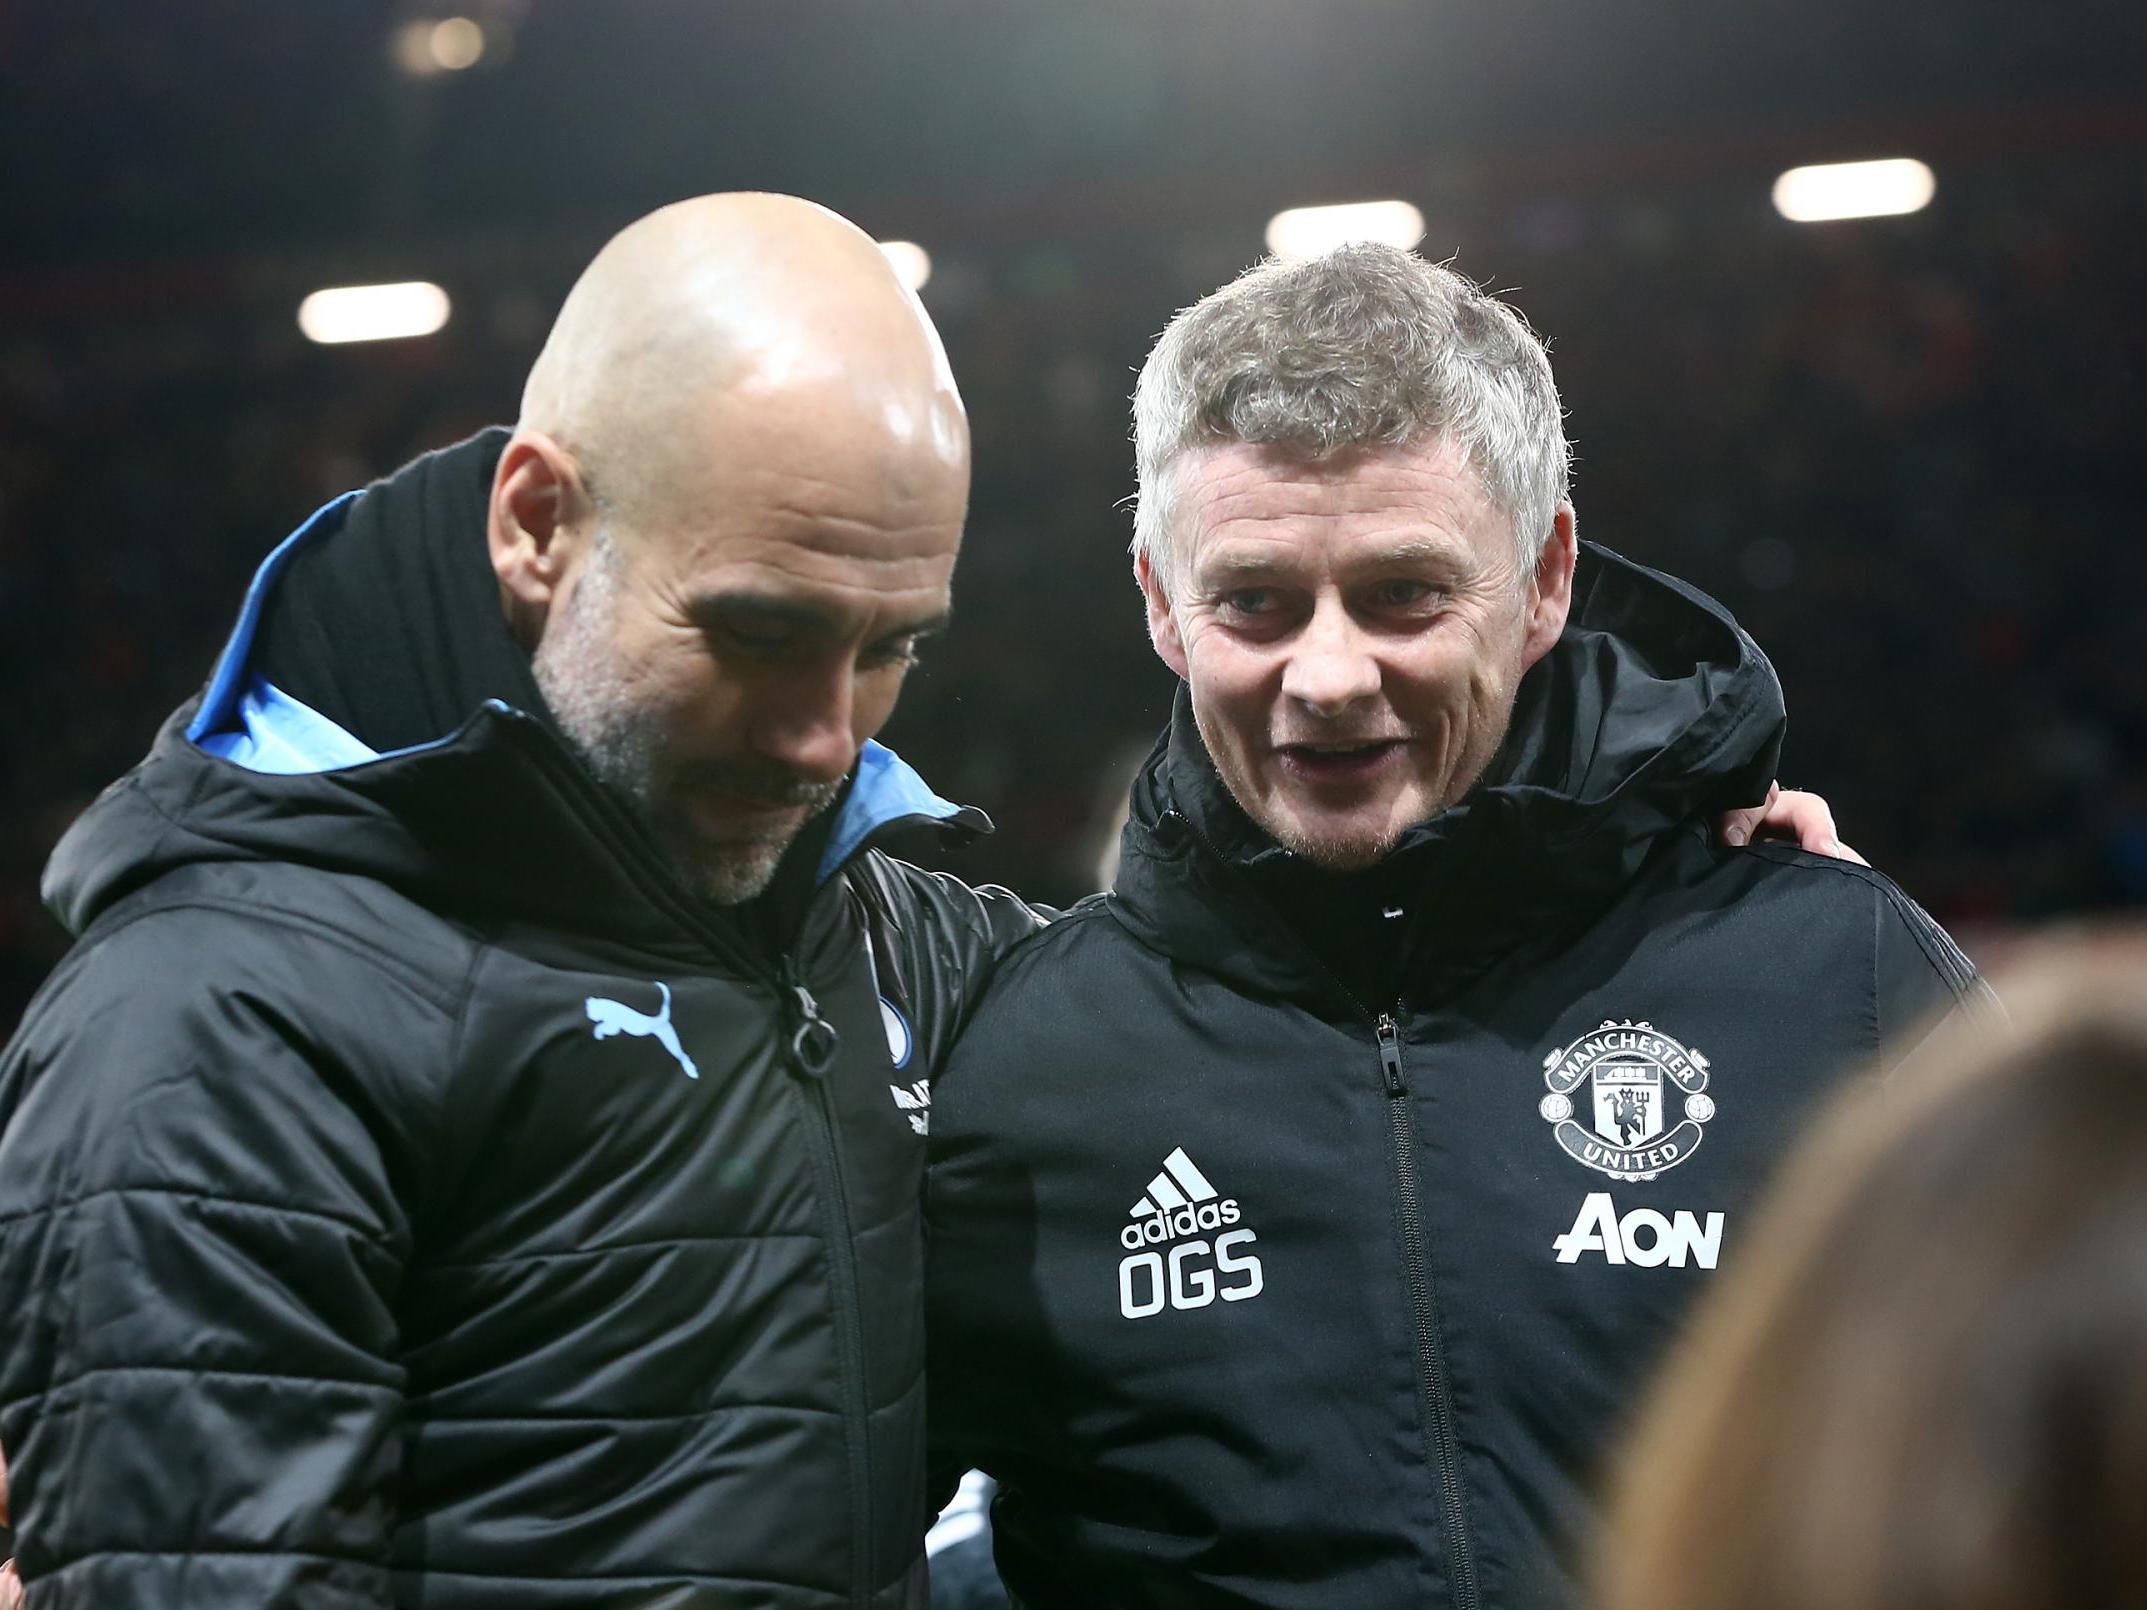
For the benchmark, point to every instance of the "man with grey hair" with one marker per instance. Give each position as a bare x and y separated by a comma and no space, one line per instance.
1305,1210
473,1155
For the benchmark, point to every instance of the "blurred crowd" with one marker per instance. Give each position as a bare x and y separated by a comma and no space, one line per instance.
1894,448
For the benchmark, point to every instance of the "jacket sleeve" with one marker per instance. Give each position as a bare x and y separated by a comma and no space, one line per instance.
1920,977
936,940
201,1236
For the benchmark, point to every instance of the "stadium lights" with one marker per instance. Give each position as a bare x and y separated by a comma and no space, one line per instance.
427,46
913,264
457,43
1834,190
1308,231
372,312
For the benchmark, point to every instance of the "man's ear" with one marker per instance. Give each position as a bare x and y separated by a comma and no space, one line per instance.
533,527
1550,590
1162,620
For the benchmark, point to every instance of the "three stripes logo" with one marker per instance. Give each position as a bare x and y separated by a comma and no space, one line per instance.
1180,1201
1179,1206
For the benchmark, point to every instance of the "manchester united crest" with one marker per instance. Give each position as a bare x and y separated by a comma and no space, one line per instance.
1627,1100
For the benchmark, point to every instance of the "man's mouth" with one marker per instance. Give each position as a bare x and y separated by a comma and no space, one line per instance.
753,813
1339,762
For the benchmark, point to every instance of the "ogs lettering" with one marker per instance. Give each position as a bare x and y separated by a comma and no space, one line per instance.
1192,1274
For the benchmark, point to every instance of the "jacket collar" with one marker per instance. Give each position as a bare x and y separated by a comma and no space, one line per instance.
1653,713
496,816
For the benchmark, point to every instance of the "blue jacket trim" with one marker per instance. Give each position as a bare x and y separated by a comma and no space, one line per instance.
887,788
228,684
282,735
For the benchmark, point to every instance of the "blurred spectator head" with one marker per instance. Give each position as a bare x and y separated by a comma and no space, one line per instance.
1921,1383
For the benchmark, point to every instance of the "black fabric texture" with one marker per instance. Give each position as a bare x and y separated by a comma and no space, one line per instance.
411,1195
394,630
1383,1368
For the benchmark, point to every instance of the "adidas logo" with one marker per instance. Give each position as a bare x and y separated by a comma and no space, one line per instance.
1181,1203
1179,1183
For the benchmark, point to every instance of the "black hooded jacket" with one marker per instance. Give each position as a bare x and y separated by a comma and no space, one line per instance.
1297,1240
410,1195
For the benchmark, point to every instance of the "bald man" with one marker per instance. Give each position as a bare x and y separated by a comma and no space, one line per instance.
472,1157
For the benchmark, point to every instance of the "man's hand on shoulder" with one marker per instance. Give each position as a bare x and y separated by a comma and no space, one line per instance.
1802,819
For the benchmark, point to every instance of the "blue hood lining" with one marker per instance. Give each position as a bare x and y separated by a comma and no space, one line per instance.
885,788
229,683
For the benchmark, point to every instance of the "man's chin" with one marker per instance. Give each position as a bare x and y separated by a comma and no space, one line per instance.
1331,855
731,871
1335,846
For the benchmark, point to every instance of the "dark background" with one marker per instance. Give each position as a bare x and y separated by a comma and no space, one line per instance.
1903,450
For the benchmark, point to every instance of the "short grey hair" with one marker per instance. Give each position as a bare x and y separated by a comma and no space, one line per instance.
1359,346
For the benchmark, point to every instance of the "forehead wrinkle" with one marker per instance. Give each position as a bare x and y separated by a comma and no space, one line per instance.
764,579
1418,509
777,540
1367,481
919,533
790,484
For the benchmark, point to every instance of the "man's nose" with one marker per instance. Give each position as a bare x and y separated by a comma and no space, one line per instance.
809,724
1331,666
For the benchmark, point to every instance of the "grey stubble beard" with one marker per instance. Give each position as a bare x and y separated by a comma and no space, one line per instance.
620,741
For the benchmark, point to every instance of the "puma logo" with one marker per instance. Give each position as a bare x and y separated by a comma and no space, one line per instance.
614,1017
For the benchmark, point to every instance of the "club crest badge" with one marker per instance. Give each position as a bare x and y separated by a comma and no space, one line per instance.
1612,1096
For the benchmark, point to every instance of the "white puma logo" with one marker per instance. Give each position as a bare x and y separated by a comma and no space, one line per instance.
613,1017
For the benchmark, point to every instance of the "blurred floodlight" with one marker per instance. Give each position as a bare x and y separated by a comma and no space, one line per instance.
1854,190
372,312
1308,231
913,264
457,42
428,46
412,49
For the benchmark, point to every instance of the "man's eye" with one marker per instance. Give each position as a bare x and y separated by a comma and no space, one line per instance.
753,645
896,651
1401,593
1249,601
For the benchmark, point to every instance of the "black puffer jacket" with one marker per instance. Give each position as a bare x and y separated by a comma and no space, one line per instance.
409,1196
1255,1288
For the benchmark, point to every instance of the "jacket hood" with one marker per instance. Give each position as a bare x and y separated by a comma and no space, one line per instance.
495,818
1653,711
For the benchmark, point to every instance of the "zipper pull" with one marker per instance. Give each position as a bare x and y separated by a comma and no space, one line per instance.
1390,1054
1173,830
813,1045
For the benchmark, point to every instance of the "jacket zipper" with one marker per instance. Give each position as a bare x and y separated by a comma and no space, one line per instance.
813,1043
1434,1396
1432,1389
